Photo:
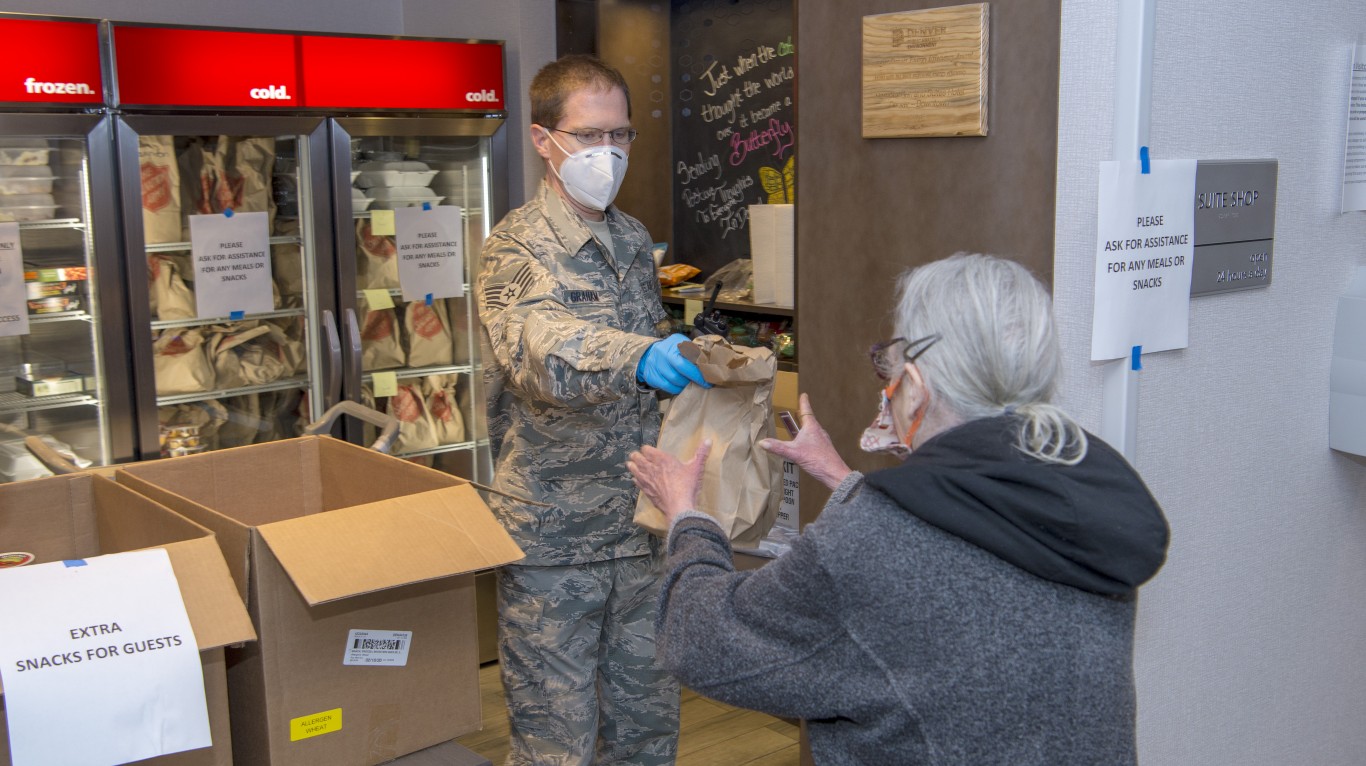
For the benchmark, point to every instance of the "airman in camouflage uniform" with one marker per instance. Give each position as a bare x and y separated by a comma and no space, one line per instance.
567,318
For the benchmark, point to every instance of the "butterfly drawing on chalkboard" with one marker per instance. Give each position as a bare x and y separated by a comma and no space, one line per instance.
781,187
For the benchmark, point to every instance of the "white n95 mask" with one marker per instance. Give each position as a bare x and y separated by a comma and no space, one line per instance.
592,176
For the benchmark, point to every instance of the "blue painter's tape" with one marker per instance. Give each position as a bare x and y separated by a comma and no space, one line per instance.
74,562
426,206
227,211
429,299
1136,358
1143,158
237,315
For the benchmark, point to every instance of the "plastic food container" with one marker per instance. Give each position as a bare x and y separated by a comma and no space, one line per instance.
26,207
392,173
390,197
25,179
359,202
24,151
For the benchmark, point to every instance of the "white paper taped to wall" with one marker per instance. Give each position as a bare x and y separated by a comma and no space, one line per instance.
772,246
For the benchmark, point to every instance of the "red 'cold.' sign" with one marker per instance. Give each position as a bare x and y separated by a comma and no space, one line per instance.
50,62
161,66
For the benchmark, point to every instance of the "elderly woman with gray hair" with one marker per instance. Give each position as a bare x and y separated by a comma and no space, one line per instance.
972,605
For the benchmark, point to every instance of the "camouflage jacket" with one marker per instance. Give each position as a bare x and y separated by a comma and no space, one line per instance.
564,329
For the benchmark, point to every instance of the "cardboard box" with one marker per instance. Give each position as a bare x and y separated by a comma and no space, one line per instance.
325,538
82,516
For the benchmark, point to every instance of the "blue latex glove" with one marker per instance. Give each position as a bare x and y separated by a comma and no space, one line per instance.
664,367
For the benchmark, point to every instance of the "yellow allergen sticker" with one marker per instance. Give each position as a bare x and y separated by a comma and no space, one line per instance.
378,299
313,725
386,384
382,222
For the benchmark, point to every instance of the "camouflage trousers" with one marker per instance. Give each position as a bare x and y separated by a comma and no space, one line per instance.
576,645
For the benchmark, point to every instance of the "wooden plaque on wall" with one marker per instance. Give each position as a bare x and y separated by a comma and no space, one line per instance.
925,73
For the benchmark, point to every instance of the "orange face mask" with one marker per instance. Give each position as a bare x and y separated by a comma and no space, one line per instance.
880,436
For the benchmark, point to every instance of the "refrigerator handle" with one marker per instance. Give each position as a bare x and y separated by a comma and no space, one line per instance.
353,339
334,356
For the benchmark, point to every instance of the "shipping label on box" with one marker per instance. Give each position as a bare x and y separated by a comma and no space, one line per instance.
377,647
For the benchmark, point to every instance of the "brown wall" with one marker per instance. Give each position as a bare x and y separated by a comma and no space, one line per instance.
633,36
867,209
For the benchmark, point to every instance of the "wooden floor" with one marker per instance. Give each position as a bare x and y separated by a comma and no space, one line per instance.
712,734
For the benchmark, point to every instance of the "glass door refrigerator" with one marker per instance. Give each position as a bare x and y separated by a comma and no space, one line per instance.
417,127
233,335
62,316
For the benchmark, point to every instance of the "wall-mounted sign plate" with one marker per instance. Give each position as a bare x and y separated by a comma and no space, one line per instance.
1235,225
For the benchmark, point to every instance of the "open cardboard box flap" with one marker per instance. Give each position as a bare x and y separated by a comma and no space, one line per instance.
94,516
389,543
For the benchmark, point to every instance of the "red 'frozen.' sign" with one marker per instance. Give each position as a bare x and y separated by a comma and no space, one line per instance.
50,62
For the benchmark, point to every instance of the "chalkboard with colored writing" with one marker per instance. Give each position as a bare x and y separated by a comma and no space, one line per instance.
734,135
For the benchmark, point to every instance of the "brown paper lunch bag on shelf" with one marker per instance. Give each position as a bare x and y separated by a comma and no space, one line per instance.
739,479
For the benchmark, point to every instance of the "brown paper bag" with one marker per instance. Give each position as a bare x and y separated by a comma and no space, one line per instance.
380,349
181,363
429,336
379,266
170,297
440,393
416,429
160,189
740,480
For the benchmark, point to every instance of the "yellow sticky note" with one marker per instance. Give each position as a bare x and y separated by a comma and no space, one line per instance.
385,383
382,222
378,299
307,726
691,309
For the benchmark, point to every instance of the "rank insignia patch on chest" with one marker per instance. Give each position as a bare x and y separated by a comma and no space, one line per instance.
500,295
582,296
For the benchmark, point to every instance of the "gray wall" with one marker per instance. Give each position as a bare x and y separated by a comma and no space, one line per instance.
527,26
1252,641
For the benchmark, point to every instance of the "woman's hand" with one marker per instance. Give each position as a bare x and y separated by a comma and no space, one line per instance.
671,484
811,449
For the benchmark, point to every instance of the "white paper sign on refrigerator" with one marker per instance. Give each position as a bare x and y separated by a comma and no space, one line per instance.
1354,159
99,662
431,252
13,298
1145,238
231,264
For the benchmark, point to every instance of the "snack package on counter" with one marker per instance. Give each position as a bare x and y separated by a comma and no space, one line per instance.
379,264
736,278
181,361
676,273
785,345
428,333
380,347
170,297
160,189
441,403
735,413
416,429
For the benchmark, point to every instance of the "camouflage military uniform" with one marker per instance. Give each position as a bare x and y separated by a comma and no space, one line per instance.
565,327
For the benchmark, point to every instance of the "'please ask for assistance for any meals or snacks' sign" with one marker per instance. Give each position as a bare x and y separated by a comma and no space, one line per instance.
1144,242
231,264
431,252
99,662
13,311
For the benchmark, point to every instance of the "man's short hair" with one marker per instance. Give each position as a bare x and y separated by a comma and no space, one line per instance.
558,80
